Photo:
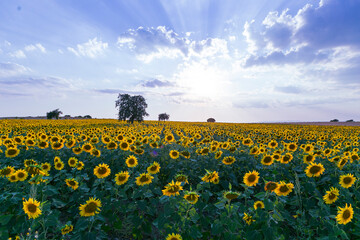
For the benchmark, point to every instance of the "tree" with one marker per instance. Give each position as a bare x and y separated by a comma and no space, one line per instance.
53,114
334,120
164,116
211,120
131,108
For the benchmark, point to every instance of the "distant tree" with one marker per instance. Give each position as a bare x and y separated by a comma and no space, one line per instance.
164,116
334,120
88,117
210,120
53,114
351,120
131,108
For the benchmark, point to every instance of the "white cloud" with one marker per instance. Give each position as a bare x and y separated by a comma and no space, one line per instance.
9,69
38,46
18,54
155,43
91,49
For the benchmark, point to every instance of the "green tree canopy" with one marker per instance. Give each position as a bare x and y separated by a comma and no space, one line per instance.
53,114
164,116
131,108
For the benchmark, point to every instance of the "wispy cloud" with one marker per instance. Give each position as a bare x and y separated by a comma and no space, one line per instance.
38,46
160,42
9,69
91,48
153,83
17,54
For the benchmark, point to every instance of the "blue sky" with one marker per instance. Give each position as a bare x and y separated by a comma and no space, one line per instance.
233,60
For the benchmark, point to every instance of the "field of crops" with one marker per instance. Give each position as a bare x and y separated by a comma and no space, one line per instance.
105,179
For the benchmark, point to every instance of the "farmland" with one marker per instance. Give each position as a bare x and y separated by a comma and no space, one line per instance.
105,179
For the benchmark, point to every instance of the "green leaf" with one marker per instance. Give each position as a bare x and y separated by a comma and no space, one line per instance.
4,219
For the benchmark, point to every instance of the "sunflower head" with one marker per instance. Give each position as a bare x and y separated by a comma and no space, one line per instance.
228,160
345,214
259,204
143,179
31,208
102,170
154,168
251,178
174,154
90,208
347,180
72,161
173,236
270,186
314,170
122,177
191,197
230,195
283,189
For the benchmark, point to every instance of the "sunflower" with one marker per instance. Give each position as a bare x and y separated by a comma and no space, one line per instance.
230,195
90,208
247,142
95,152
185,154
172,189
131,161
122,177
72,183
270,186
11,152
251,178
43,144
144,178
347,180
174,154
77,150
259,204
12,178
31,208
66,229
272,144
248,219
308,148
191,197
124,145
59,165
154,168
331,196
341,163
87,147
70,143
7,171
21,175
286,158
173,236
80,165
218,154
267,160
345,214
57,145
212,177
283,189
309,158
29,162
228,160
56,159
354,157
30,142
111,145
181,178
169,138
72,161
314,170
102,170
46,166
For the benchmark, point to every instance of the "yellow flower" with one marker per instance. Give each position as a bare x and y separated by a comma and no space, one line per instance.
345,214
102,170
7,171
267,160
131,161
154,168
46,166
66,229
230,195
347,180
181,178
59,165
90,208
251,178
259,204
283,189
172,189
248,219
174,154
173,236
270,186
314,170
21,175
11,152
122,177
228,160
143,179
72,162
31,208
72,183
191,197
331,196
212,177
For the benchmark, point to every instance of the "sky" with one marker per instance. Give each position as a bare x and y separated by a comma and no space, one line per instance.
232,60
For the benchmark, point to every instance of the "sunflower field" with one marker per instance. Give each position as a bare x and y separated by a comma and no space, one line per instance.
105,179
